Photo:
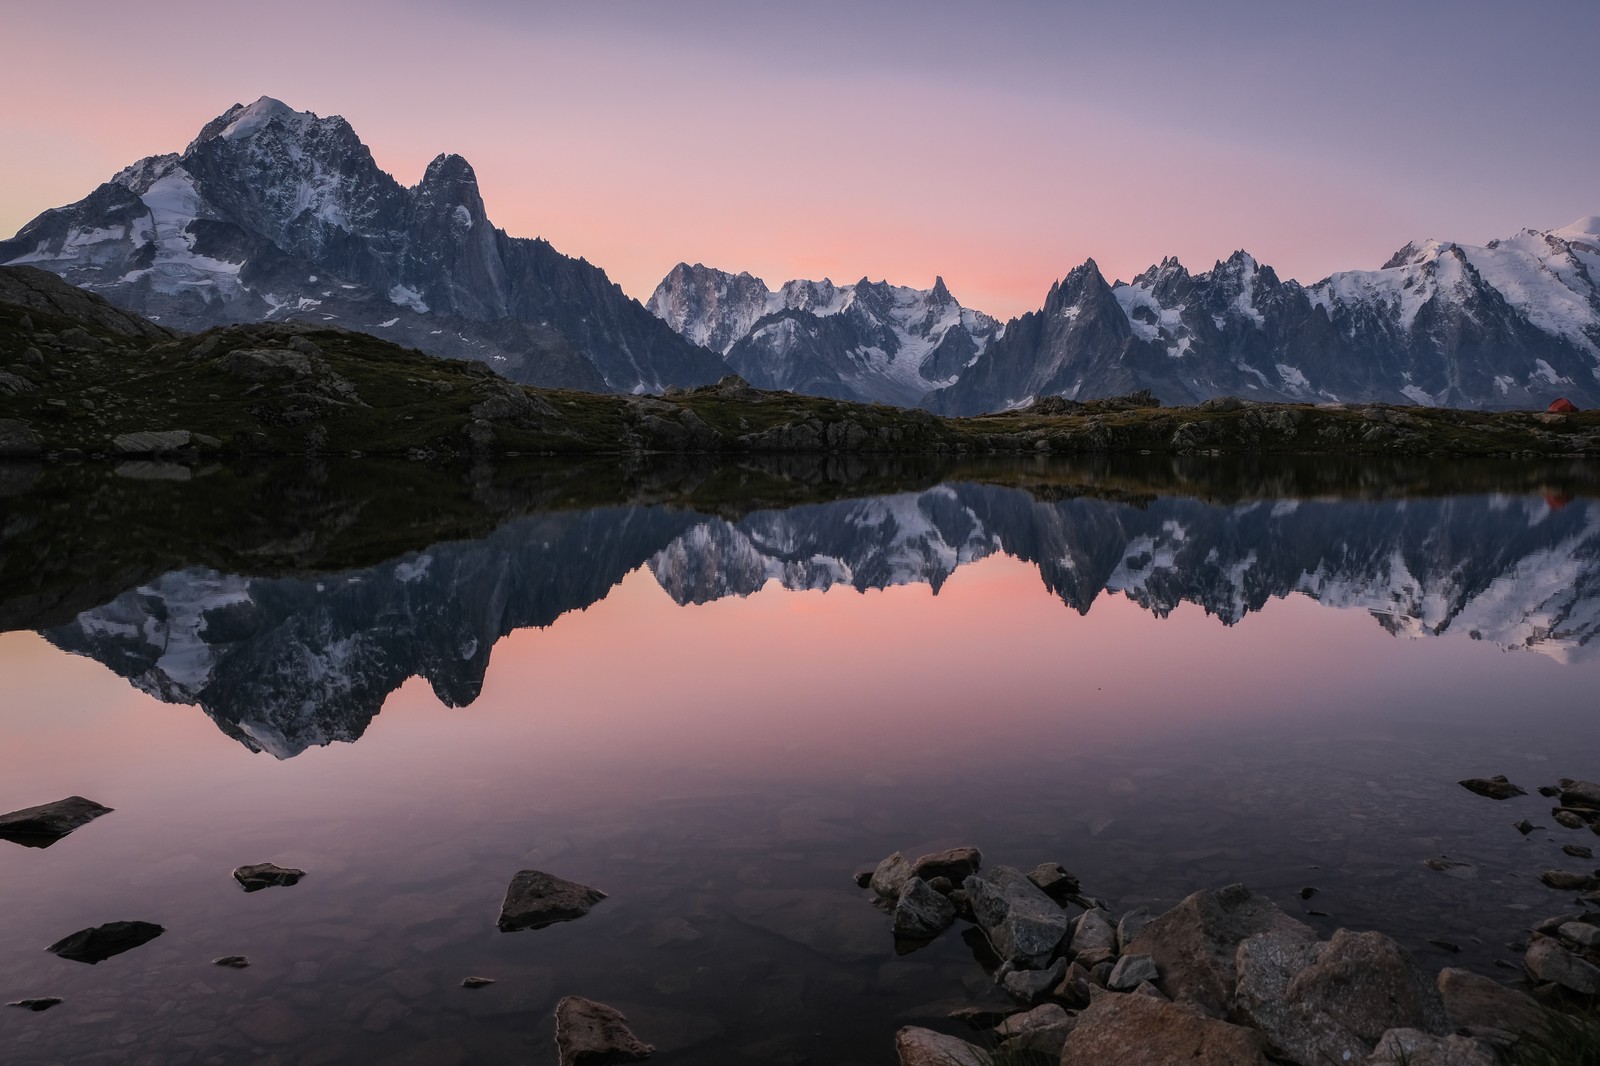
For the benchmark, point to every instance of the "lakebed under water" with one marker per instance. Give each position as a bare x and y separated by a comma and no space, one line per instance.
715,697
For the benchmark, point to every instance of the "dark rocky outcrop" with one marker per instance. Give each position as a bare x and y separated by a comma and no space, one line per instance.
536,899
593,1034
42,826
102,942
254,878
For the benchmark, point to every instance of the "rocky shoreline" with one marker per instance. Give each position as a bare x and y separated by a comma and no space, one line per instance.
1228,978
82,379
1223,977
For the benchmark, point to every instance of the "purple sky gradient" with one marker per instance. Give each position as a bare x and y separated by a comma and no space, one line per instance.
998,144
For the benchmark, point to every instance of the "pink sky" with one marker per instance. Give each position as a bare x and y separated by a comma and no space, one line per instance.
998,145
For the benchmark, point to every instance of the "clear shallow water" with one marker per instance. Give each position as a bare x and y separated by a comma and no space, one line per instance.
717,719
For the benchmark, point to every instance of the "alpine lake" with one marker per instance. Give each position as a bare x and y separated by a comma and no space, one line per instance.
717,692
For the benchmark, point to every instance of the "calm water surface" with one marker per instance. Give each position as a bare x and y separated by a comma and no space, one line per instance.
716,714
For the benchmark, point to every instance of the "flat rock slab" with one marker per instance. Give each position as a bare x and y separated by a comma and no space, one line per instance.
39,827
593,1034
103,941
266,875
537,899
1496,788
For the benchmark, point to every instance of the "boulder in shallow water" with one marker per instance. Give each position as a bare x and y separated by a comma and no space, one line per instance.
1194,943
1473,1001
957,864
593,1034
1143,1031
103,941
1547,962
1021,923
889,878
536,899
1055,880
255,877
1580,794
1331,1001
922,913
39,827
1496,788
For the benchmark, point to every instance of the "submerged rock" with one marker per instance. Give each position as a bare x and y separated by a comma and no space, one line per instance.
536,899
261,875
39,827
829,922
1497,787
101,942
1193,944
925,1047
476,982
593,1034
1021,923
1143,1031
232,962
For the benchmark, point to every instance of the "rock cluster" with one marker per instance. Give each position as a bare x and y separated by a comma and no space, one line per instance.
1224,978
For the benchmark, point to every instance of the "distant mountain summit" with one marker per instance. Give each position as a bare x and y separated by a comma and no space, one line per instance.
1512,324
273,213
1515,323
868,341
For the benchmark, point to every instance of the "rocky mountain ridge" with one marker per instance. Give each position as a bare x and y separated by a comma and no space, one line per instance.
271,214
869,341
1511,324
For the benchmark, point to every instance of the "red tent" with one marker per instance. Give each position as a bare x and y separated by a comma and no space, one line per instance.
1563,406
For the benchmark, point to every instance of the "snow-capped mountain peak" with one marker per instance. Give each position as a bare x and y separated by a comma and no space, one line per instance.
867,340
273,213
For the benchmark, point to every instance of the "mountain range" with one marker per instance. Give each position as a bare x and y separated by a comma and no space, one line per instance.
272,213
285,663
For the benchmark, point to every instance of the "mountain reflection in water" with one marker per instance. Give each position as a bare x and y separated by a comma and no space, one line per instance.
285,663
